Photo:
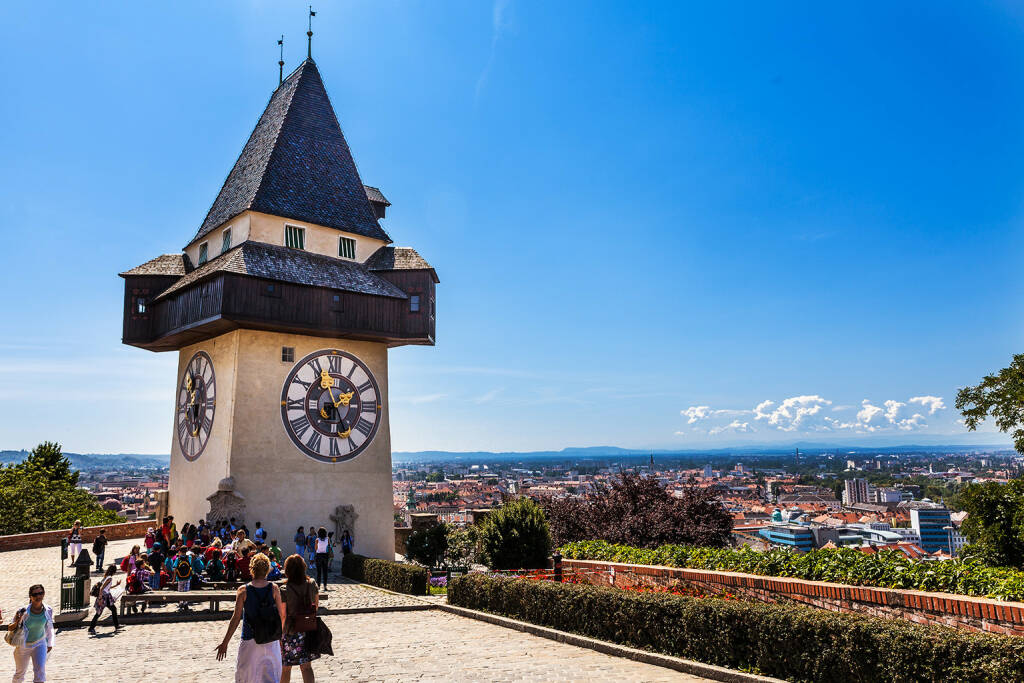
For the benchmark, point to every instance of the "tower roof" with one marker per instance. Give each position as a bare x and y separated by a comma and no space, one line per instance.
297,164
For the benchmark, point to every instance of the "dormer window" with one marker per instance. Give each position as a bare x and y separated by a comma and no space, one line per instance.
294,237
347,248
204,252
226,244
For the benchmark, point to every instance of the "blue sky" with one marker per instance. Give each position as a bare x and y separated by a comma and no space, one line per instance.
648,221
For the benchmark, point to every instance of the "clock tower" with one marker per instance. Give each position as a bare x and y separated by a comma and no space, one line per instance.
282,309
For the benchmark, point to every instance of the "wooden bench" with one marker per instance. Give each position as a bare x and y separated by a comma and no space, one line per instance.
164,597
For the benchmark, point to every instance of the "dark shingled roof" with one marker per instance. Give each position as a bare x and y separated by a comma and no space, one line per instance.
398,258
375,195
168,264
273,262
297,165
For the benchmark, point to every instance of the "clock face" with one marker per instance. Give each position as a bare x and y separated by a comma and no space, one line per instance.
197,399
330,405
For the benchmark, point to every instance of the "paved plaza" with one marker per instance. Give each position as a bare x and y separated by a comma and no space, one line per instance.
376,646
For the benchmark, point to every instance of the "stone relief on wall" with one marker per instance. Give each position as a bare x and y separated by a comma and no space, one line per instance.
226,503
344,519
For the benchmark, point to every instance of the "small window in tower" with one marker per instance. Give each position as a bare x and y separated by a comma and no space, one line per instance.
294,237
226,244
347,248
204,252
414,303
287,354
272,289
140,305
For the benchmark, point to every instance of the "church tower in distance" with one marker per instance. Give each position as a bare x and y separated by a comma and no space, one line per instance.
282,308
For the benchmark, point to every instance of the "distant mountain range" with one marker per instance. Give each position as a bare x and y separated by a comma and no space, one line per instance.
88,461
126,460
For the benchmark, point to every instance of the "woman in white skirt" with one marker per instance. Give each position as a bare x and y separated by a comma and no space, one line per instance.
75,541
37,621
259,607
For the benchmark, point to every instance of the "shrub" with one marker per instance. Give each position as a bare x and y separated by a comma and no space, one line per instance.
427,546
790,641
515,536
462,544
885,569
640,511
394,576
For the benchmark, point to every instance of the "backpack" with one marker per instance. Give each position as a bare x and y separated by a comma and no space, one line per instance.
266,622
183,569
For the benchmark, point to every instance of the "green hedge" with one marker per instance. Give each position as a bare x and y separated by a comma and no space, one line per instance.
788,641
885,569
394,576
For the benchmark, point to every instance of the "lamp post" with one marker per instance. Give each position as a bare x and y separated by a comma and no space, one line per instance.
949,537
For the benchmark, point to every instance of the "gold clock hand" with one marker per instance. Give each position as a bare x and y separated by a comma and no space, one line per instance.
344,434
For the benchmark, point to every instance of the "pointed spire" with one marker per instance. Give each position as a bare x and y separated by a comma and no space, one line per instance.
309,34
280,62
297,164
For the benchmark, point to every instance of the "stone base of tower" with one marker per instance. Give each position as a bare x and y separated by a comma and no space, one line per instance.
249,465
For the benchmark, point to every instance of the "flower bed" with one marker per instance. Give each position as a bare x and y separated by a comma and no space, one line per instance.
787,641
885,569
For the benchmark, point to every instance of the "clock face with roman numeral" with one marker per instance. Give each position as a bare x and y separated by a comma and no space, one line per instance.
330,405
197,399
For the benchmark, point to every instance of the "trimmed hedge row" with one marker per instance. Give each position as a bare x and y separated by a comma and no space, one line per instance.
787,641
394,576
884,569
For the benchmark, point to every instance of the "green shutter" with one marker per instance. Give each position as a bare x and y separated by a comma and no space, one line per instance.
347,247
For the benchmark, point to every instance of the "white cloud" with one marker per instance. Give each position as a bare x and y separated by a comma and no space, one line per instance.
735,426
489,396
500,24
812,413
696,413
427,398
932,403
794,413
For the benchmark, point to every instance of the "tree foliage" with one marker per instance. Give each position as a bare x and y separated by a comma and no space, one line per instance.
462,544
427,546
995,522
41,493
639,511
1000,396
515,536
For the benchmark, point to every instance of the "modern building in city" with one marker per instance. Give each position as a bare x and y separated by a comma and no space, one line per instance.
856,491
932,523
789,535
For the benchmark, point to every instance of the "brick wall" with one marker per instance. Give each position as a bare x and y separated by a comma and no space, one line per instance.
44,539
958,611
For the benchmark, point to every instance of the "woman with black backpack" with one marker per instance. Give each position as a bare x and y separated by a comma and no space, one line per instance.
259,607
105,599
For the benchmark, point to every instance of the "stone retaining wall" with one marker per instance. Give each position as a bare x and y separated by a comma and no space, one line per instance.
958,611
43,539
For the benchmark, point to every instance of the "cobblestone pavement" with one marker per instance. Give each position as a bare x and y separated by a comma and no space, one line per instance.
19,569
382,646
378,646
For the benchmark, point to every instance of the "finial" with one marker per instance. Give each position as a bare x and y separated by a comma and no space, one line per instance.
280,62
309,34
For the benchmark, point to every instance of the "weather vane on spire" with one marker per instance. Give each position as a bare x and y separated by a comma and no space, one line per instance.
309,34
280,61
